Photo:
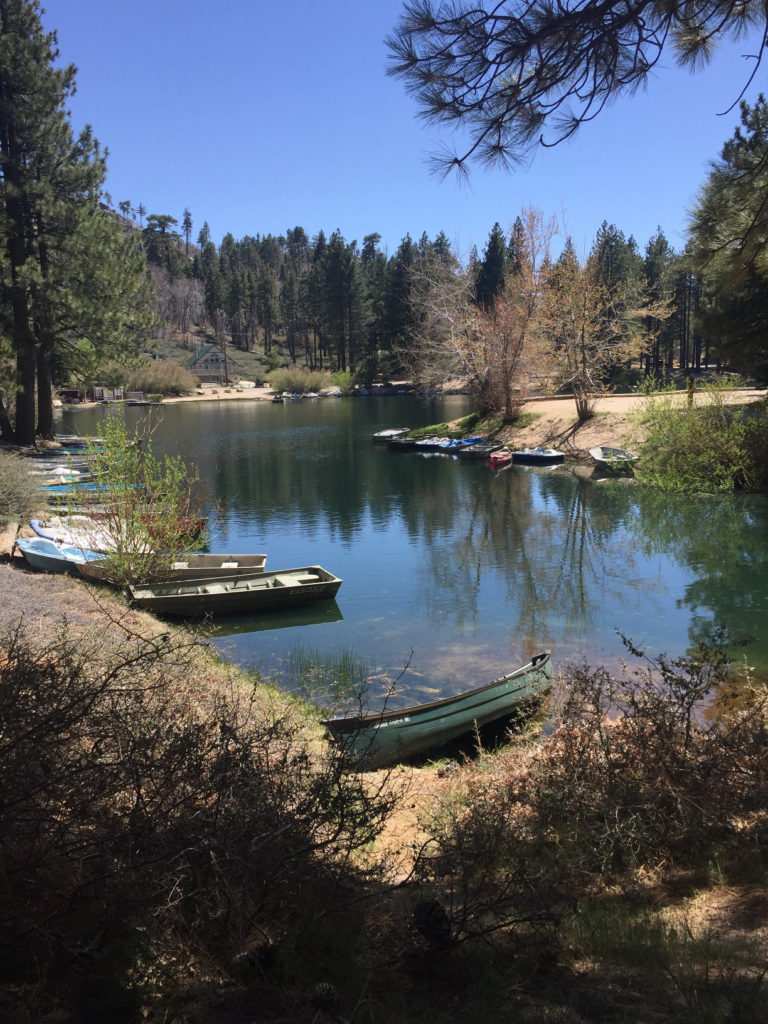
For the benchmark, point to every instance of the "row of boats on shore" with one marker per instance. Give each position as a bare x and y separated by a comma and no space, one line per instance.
193,585
497,453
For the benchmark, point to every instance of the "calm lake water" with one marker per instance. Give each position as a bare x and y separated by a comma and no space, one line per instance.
461,572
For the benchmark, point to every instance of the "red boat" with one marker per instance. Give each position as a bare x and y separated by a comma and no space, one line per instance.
503,457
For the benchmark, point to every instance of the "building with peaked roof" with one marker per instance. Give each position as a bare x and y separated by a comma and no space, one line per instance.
213,365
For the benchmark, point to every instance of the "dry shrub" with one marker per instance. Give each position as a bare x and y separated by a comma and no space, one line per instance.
638,774
18,492
634,777
150,818
163,378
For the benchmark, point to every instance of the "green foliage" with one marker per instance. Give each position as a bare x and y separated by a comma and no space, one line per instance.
297,380
18,493
69,270
505,81
159,377
656,385
705,447
461,428
150,505
344,381
728,245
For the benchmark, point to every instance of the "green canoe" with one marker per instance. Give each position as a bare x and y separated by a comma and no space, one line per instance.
377,740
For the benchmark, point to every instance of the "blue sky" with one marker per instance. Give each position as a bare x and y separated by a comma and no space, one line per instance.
260,116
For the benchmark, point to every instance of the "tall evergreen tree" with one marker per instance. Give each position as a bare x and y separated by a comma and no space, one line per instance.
491,270
373,265
728,245
57,241
186,227
658,269
402,313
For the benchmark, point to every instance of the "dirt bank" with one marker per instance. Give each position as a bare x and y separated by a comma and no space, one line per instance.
615,422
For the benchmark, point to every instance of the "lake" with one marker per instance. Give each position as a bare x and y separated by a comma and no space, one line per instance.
456,571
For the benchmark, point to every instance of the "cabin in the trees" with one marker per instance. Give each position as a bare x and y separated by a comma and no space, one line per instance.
212,365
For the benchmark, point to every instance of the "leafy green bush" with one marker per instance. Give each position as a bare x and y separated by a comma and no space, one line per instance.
756,442
344,381
18,492
704,447
150,505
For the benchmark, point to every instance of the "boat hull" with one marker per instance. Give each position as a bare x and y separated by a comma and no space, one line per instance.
384,436
503,457
480,450
375,741
45,554
257,591
537,457
74,531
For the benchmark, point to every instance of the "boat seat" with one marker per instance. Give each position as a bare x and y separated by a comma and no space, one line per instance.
286,581
309,577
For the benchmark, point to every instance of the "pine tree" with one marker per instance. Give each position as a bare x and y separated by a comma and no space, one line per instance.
491,271
68,271
728,248
658,269
186,227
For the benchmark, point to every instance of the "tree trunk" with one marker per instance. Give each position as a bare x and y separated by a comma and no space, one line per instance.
44,393
6,427
25,395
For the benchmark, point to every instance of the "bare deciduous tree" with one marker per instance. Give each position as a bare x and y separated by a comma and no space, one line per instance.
489,347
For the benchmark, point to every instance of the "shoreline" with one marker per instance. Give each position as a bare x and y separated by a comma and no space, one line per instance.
555,425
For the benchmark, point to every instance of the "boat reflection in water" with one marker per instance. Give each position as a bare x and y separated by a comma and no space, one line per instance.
305,615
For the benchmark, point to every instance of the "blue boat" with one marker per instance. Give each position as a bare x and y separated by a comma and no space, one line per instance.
45,554
75,487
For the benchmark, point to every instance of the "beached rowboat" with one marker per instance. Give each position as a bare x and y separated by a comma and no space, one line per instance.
612,459
255,591
377,740
49,556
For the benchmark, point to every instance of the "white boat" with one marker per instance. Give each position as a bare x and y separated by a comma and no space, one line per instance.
45,554
75,531
612,459
382,436
537,456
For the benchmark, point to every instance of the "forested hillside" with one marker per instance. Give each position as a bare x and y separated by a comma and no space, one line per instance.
333,304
